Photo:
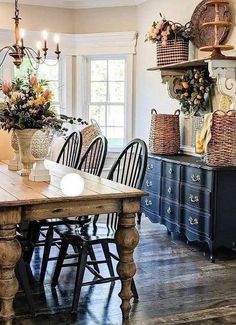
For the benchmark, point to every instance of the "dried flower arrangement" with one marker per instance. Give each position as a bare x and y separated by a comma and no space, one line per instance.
28,105
194,91
164,30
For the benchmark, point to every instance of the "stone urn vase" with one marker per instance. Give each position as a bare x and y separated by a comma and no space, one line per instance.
14,163
24,138
39,150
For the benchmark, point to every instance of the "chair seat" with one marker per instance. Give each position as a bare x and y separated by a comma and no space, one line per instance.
88,233
68,221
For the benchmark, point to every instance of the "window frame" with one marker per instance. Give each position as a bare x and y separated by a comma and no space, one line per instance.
127,91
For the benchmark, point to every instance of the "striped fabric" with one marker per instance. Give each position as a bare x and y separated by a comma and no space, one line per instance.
175,51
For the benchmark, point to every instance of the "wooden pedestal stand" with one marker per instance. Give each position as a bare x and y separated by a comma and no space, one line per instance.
218,22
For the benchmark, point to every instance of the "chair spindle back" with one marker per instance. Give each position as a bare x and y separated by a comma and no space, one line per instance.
70,152
94,157
129,169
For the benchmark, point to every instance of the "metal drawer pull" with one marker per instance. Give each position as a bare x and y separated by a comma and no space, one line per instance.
169,189
194,199
149,183
148,202
170,171
150,166
196,178
169,211
193,221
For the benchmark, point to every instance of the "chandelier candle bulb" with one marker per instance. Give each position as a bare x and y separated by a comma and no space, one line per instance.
45,35
56,40
22,35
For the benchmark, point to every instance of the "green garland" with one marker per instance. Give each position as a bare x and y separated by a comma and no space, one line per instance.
194,91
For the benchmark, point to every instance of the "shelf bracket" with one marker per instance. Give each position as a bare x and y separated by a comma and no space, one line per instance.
224,71
172,80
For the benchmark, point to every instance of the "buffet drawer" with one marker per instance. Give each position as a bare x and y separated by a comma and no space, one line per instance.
170,189
171,170
169,210
151,183
153,166
196,198
151,202
196,222
197,177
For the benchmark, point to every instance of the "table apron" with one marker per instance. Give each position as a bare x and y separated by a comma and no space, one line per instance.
80,208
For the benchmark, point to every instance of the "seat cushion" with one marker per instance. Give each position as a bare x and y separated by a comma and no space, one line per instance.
87,233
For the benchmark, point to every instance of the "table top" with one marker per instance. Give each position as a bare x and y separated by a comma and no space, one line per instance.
16,190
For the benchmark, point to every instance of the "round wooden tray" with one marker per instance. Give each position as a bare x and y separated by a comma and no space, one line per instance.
216,47
203,14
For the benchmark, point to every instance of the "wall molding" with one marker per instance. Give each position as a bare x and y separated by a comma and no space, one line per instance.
80,44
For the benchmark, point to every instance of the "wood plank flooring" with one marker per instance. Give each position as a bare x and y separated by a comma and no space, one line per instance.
176,285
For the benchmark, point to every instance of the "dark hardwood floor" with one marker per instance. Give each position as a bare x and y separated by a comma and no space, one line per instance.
176,285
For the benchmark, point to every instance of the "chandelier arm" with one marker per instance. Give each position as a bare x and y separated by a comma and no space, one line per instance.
30,60
30,54
5,55
8,49
43,61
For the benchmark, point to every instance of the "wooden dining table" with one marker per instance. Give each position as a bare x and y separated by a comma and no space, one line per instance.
22,199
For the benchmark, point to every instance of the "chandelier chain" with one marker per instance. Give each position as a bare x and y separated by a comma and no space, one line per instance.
16,9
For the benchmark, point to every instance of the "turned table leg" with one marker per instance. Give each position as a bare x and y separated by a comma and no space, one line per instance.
127,238
10,251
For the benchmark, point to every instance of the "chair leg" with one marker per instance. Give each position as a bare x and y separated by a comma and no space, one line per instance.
139,215
79,277
134,290
22,276
60,260
93,257
105,248
46,252
33,237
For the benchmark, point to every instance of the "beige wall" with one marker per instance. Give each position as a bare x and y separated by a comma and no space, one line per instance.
5,148
101,20
149,90
38,18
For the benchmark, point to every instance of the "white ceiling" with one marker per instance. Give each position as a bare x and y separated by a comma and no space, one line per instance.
77,4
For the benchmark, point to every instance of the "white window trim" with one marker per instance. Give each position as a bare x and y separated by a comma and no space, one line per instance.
104,44
128,127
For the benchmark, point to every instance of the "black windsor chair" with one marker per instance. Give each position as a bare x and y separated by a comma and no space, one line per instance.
128,169
92,162
70,152
68,156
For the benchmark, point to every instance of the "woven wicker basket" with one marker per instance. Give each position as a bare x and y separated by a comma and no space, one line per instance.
175,51
221,149
89,133
164,136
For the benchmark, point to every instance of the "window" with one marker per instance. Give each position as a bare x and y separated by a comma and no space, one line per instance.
107,97
48,72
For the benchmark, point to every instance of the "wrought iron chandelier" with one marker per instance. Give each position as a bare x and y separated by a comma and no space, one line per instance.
19,51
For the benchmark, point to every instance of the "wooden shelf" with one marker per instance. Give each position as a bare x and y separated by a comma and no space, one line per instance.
181,65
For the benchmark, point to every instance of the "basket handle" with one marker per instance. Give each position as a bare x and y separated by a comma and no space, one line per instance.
219,111
231,111
177,112
153,111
